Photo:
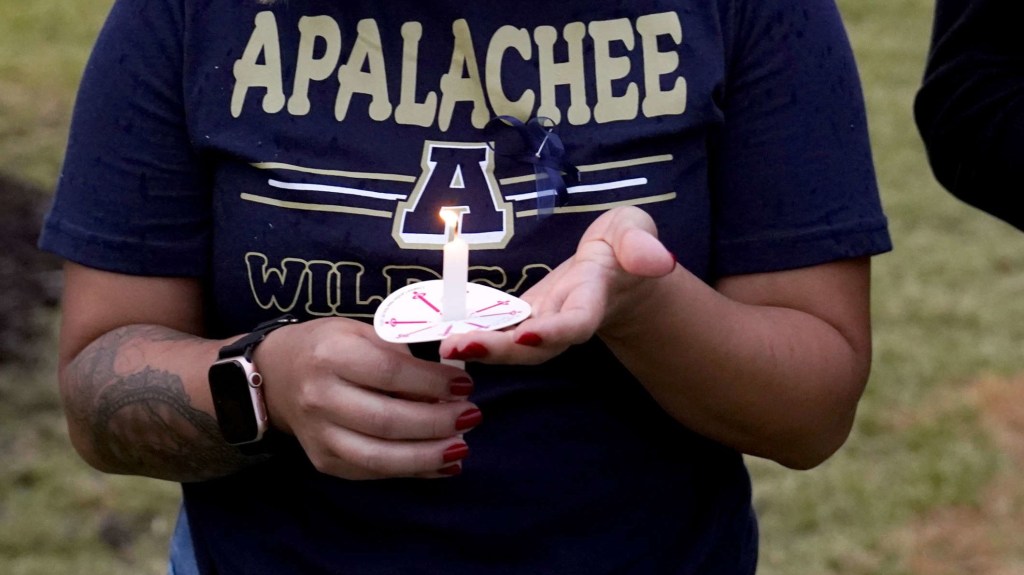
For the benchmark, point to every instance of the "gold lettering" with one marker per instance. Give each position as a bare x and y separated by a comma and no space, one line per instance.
477,89
462,81
409,111
307,66
570,72
658,102
608,69
506,38
275,287
251,74
366,52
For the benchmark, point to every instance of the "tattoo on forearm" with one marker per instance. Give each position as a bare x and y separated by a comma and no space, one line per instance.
143,422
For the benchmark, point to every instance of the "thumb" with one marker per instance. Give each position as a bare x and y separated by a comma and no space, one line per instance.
642,254
633,236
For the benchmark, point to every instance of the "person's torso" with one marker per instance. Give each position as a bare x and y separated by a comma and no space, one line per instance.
333,133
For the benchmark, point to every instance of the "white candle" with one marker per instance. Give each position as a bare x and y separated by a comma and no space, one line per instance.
455,270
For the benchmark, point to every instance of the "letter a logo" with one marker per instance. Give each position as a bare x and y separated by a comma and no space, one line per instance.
455,175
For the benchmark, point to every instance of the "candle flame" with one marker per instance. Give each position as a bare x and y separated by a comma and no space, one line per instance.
449,216
451,222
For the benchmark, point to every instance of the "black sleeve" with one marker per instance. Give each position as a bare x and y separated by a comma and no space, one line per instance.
131,197
970,108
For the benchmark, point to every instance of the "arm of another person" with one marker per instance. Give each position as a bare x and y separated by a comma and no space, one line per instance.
771,364
133,379
970,107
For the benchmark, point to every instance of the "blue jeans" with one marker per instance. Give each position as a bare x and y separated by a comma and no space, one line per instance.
182,552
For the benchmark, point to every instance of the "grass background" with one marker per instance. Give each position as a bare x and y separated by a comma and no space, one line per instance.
925,485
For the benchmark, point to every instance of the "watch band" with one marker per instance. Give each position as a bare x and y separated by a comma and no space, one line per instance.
272,440
245,345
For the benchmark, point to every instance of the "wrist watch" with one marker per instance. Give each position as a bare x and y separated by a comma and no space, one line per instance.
237,388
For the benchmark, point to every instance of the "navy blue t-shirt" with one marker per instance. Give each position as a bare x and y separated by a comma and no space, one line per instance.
294,158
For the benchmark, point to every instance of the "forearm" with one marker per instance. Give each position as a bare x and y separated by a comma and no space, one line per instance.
137,402
768,381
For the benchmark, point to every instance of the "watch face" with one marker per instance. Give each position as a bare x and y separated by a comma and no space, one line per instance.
233,402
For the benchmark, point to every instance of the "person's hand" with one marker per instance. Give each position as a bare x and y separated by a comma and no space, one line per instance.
617,258
363,408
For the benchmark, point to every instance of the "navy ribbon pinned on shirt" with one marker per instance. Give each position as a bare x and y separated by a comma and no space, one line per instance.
535,142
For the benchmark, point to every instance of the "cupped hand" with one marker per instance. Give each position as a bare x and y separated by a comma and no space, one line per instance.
363,408
615,261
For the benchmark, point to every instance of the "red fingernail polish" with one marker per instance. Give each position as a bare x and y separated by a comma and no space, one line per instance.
471,351
455,453
450,470
529,339
461,386
469,418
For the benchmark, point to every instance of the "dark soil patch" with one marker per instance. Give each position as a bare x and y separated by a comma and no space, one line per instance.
29,278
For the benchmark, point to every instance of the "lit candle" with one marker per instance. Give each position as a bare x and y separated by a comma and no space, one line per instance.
455,269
